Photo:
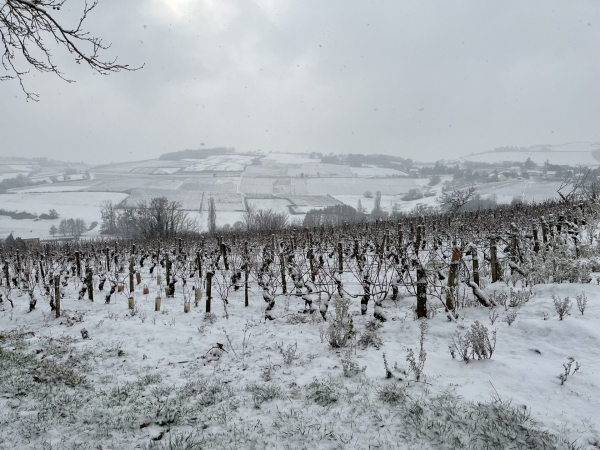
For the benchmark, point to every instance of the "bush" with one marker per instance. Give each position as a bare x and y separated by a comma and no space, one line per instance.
476,342
370,339
413,194
323,393
562,306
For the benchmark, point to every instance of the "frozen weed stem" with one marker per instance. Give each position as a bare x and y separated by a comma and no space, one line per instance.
567,370
416,367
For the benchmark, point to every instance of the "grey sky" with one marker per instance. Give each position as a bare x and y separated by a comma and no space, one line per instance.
420,79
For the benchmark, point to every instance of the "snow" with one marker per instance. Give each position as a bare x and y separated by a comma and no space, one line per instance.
9,175
75,205
279,205
291,158
166,170
176,349
233,163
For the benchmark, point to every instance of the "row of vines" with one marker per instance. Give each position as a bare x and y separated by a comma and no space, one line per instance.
446,261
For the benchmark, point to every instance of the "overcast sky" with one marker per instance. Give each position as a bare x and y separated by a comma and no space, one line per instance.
421,79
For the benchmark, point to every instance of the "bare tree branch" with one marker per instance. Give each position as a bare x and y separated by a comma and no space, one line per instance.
27,25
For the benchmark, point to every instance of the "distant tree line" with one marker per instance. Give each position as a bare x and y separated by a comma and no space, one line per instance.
69,227
201,153
9,183
335,215
157,218
263,219
10,243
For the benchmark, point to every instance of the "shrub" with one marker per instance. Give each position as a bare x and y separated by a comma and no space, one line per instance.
581,302
349,367
323,393
413,194
562,306
392,393
476,342
370,339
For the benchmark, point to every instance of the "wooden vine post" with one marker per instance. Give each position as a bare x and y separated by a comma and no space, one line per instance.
78,263
452,275
246,270
475,259
199,265
209,276
421,293
90,284
42,275
340,258
311,257
57,295
168,268
536,241
131,285
224,254
107,251
6,274
494,259
544,232
282,269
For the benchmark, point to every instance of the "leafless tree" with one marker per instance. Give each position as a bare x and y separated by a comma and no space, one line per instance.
26,27
455,200
583,184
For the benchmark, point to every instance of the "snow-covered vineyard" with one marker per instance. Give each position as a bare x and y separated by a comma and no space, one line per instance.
472,330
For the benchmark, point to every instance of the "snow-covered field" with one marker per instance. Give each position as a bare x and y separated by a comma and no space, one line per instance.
166,170
69,205
233,163
279,205
241,382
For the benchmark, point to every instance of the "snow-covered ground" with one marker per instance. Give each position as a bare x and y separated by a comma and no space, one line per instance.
69,205
231,163
241,382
